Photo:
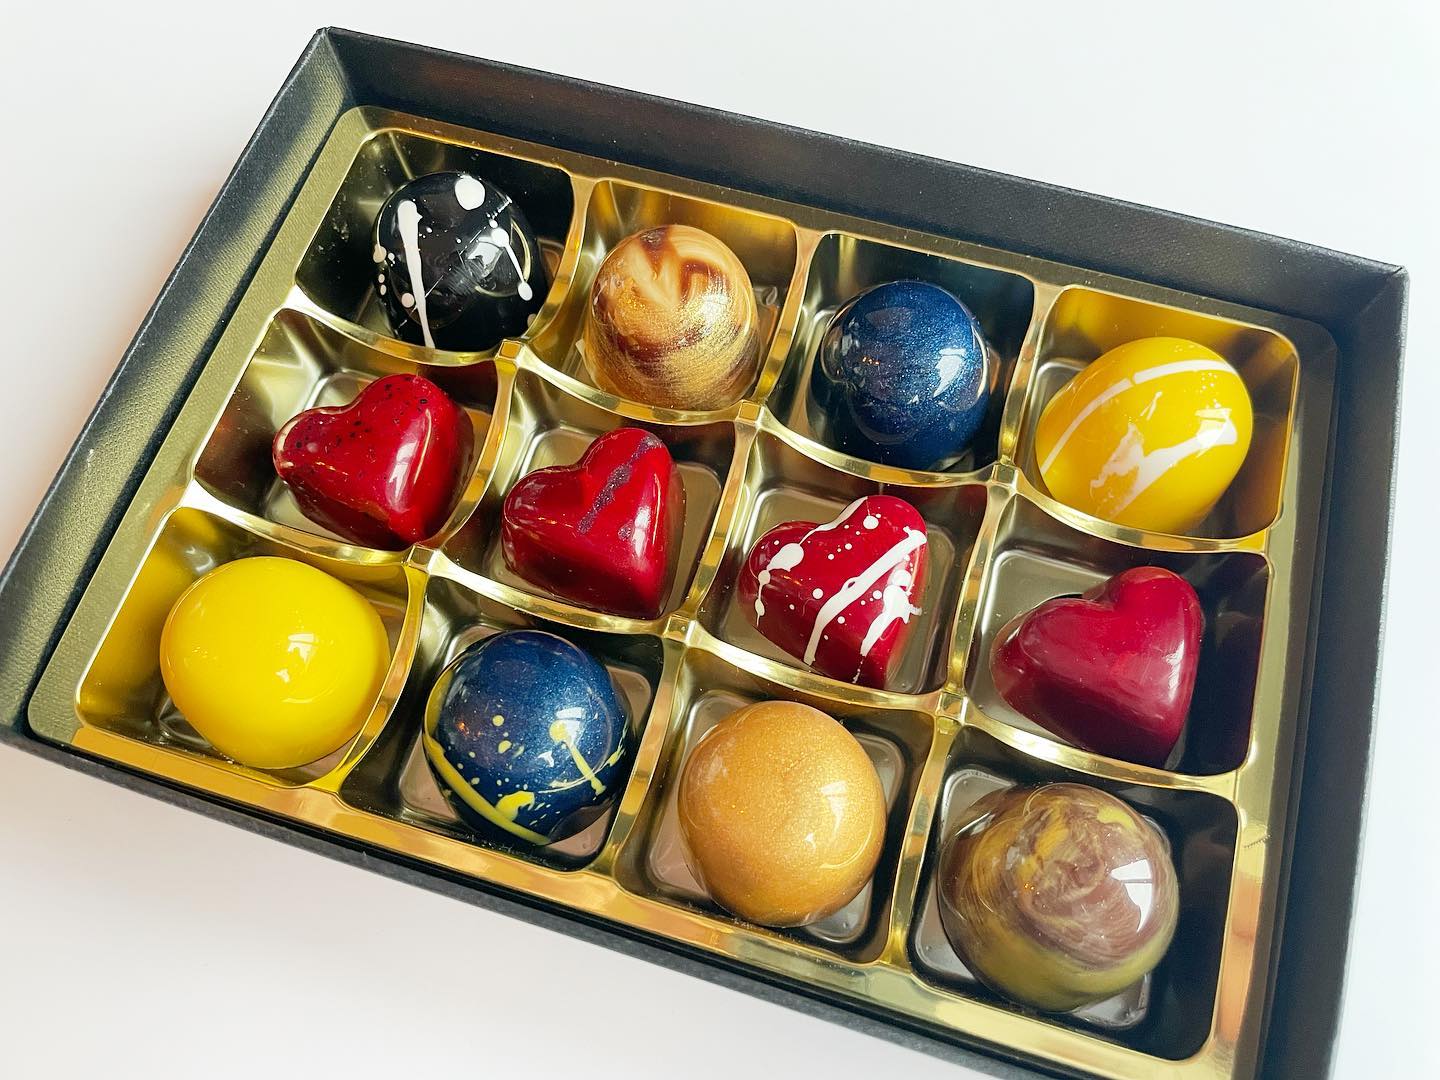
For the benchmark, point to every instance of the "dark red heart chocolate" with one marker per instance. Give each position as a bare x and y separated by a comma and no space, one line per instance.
1112,671
840,596
384,471
604,532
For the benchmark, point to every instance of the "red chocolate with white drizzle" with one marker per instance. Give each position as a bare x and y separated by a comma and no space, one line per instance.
841,596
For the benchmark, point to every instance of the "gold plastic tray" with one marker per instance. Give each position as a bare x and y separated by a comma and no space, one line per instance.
307,332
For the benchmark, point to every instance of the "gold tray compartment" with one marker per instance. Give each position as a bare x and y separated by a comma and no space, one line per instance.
307,332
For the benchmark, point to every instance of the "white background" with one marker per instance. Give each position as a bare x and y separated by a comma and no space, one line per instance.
140,940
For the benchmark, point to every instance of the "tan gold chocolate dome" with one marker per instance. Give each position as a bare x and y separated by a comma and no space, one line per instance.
672,321
1058,895
782,813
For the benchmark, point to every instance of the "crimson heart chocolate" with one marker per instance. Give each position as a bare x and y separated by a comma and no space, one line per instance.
840,595
605,531
1111,671
385,470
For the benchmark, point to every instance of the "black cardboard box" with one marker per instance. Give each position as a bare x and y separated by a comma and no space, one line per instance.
1361,305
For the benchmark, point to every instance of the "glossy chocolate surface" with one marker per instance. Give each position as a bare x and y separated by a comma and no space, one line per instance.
605,531
385,470
840,595
903,376
1058,895
526,733
1149,435
456,263
273,662
782,813
1112,671
672,321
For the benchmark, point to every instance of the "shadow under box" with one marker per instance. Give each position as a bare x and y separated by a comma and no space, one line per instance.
1038,558
844,266
783,484
303,364
394,779
122,690
337,271
1085,324
1168,1012
548,426
765,245
708,690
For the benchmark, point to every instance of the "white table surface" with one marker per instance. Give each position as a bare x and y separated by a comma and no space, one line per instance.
140,940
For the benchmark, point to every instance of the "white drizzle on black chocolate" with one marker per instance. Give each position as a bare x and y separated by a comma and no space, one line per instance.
469,192
407,220
501,237
457,239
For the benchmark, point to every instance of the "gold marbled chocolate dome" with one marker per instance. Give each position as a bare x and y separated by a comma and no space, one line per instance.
1058,895
782,814
672,321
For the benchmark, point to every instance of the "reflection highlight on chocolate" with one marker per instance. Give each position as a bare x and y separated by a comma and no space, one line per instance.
672,321
1058,895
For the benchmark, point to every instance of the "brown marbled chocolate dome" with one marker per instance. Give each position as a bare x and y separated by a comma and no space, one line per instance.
782,813
1058,895
672,321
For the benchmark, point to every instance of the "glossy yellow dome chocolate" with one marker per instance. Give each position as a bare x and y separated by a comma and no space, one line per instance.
274,662
1057,895
1149,435
782,814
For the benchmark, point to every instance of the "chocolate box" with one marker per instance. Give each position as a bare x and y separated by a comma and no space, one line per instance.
269,312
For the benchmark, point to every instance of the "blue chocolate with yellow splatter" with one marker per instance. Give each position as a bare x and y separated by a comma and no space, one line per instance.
527,735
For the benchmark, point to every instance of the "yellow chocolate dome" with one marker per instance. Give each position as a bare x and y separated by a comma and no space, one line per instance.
1149,435
274,662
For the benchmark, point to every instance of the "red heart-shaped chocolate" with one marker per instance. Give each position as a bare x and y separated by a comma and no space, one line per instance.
385,470
839,596
603,532
1112,671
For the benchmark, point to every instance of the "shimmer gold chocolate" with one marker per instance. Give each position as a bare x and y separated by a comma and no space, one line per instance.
782,813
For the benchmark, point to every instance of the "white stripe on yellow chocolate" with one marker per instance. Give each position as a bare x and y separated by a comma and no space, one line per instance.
1159,371
1130,456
